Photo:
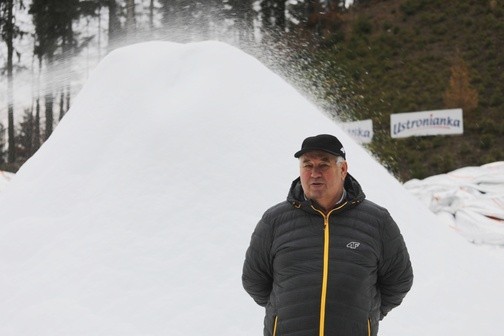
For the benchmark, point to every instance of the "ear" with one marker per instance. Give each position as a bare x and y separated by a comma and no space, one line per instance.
344,169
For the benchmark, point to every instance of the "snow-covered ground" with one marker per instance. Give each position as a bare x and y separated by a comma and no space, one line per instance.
134,217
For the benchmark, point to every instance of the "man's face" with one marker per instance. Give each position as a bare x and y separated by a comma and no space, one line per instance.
322,178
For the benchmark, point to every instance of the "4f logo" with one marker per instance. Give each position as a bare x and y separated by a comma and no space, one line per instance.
353,245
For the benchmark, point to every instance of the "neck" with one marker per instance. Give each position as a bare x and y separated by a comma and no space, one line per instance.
331,204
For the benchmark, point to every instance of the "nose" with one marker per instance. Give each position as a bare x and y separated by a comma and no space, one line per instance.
315,171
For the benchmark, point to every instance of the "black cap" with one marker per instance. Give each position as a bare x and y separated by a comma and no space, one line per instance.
323,142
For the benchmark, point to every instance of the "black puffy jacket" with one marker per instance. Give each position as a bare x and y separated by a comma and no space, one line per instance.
328,275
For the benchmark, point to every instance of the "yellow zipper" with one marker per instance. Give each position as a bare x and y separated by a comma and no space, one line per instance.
325,270
275,326
369,327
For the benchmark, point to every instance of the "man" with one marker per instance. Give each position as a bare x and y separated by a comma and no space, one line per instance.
326,261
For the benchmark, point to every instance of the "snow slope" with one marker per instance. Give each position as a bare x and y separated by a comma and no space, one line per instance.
134,217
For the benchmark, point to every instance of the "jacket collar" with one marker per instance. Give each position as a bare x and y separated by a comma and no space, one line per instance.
354,193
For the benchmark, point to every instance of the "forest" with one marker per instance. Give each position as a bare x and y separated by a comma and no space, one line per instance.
360,60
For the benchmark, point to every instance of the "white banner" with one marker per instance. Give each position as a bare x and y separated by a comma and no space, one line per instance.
360,131
437,122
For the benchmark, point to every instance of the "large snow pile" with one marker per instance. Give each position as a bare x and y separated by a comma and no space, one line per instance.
470,199
134,217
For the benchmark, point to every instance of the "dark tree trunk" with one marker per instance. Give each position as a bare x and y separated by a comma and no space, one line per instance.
114,25
9,27
36,127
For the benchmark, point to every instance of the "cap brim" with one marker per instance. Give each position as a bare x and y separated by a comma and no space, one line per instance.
306,150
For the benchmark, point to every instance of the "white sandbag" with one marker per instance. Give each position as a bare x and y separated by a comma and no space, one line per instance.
474,196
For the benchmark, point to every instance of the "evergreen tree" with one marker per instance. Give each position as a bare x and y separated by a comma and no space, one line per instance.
324,18
24,137
55,39
50,23
187,21
335,5
273,20
242,14
279,17
9,31
114,24
177,17
208,15
266,16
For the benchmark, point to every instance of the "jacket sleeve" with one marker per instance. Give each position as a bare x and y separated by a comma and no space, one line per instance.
395,274
257,276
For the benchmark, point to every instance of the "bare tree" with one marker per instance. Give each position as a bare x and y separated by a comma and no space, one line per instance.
459,93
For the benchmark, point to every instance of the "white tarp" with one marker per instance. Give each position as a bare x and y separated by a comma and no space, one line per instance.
472,198
438,122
